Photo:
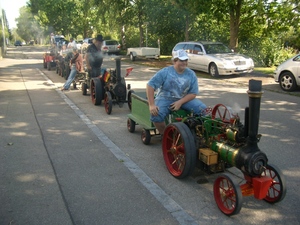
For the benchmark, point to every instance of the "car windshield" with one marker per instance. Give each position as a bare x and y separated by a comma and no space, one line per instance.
111,43
216,48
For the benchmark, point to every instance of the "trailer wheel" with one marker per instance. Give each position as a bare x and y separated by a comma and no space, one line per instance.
179,150
277,190
108,102
130,125
129,100
132,57
96,91
84,88
228,195
146,136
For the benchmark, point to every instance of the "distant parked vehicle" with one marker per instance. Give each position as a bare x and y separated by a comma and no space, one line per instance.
111,47
287,74
18,43
215,58
145,52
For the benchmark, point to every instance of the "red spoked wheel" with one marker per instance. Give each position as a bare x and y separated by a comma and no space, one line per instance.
222,112
108,102
228,195
97,91
179,150
277,190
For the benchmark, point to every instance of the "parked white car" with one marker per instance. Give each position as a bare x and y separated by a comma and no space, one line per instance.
215,58
287,74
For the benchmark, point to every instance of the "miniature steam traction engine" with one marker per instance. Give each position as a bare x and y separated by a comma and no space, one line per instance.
110,86
218,141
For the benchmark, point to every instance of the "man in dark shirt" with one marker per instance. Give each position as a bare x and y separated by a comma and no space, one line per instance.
94,57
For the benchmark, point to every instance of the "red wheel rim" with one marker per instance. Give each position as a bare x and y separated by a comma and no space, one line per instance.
222,112
227,195
106,103
277,190
175,151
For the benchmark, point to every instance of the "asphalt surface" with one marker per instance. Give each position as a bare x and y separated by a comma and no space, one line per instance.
56,167
63,162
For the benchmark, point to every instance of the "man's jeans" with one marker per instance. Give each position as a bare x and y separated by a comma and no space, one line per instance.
71,77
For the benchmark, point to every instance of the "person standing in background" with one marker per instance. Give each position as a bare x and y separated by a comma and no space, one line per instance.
94,57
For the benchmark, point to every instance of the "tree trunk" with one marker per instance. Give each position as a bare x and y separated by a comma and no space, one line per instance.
187,28
235,15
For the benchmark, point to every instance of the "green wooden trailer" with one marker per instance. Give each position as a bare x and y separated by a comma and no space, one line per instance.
140,115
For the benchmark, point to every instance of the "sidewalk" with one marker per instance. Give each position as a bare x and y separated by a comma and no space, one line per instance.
54,169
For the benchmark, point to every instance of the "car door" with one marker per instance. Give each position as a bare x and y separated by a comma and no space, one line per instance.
195,54
189,50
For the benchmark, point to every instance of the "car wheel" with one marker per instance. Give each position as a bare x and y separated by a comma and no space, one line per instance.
287,81
213,70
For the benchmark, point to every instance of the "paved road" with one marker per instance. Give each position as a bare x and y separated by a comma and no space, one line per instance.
65,161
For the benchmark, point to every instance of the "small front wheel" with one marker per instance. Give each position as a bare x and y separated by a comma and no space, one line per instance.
228,195
277,189
146,136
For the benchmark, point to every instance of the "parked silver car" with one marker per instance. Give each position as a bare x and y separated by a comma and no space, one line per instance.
215,58
108,46
111,47
287,74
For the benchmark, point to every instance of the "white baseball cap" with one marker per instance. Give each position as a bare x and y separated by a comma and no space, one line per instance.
180,54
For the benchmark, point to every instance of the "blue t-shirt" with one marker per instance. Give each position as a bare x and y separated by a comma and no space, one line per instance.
173,86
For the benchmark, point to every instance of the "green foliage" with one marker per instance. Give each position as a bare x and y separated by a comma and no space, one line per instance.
265,30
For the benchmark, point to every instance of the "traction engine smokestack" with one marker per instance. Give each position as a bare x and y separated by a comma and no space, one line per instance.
250,159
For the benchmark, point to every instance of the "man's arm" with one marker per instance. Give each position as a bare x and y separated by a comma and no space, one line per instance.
150,96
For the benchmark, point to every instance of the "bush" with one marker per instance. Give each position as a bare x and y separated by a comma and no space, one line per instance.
266,52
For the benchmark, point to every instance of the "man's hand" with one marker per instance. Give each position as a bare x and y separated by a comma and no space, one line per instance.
175,106
153,110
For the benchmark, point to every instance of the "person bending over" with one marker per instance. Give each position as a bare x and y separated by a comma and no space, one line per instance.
76,65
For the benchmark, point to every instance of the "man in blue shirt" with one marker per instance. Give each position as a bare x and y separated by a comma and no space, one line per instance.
177,87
